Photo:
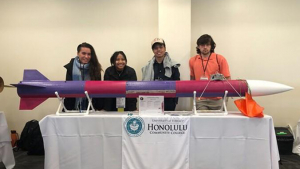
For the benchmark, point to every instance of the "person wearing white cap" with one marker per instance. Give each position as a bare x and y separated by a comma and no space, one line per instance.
162,67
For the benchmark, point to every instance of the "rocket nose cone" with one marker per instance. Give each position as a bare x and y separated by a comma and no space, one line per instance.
263,88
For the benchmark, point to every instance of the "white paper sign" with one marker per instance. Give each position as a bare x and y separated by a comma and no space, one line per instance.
151,105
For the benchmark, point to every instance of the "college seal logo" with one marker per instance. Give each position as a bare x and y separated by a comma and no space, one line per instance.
134,126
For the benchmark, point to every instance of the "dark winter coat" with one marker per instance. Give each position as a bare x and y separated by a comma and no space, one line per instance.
128,74
70,102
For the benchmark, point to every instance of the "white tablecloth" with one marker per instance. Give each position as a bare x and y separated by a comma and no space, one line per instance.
296,147
216,142
6,153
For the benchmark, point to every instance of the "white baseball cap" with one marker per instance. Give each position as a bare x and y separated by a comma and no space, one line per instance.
157,40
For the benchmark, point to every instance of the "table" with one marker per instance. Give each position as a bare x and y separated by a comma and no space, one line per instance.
296,146
6,153
216,142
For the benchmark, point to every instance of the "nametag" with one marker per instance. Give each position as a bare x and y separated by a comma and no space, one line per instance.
120,102
204,78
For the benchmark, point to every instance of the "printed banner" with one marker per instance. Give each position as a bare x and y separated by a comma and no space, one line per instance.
155,142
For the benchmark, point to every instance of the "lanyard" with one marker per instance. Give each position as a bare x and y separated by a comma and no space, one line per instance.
204,68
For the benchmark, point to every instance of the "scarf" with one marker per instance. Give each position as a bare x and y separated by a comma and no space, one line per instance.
80,72
148,71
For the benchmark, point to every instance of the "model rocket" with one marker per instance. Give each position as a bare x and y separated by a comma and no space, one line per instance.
36,88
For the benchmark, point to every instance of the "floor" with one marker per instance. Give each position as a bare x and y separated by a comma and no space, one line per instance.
289,162
23,161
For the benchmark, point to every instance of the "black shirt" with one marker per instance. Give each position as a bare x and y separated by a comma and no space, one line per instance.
159,74
159,71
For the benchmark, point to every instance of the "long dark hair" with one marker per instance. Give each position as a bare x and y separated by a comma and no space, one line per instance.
113,58
95,67
206,39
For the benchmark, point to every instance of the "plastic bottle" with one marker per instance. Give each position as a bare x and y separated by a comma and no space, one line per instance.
14,138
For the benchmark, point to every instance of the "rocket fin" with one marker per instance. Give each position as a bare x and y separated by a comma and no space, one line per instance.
28,85
30,103
33,75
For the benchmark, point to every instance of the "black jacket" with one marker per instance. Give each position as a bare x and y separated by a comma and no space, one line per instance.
98,103
128,74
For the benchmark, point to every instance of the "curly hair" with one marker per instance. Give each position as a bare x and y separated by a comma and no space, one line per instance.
206,39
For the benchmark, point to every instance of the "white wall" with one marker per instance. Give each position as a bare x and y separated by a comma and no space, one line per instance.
260,40
44,35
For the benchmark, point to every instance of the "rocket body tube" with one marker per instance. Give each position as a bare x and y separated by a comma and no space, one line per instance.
131,89
36,88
